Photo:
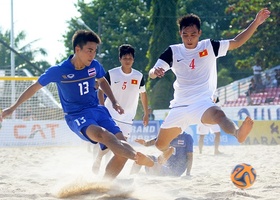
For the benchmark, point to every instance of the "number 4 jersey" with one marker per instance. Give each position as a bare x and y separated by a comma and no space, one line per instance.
195,70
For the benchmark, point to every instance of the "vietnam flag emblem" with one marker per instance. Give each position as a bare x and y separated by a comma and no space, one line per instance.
134,82
203,53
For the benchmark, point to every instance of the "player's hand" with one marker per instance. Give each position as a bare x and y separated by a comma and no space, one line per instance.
118,108
140,141
262,15
145,119
6,112
159,72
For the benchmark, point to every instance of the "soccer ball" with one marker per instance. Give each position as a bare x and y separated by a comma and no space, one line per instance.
243,176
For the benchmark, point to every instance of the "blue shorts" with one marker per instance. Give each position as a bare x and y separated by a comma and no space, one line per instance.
99,116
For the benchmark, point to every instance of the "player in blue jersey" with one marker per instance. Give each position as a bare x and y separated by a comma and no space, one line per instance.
75,79
178,163
194,64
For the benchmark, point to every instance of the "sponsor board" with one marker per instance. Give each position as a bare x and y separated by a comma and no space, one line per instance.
37,133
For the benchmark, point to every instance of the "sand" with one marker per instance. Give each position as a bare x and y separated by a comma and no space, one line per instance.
52,173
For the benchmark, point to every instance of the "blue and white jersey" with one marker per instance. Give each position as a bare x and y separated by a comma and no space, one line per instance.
176,165
75,87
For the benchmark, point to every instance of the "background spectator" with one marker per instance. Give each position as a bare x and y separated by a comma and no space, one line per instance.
277,76
257,70
270,81
251,89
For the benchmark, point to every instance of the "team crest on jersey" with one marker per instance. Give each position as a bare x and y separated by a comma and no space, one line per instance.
91,72
134,81
203,53
70,76
181,142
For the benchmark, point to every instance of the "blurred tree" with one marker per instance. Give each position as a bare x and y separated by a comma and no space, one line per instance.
224,77
26,53
165,32
264,45
117,22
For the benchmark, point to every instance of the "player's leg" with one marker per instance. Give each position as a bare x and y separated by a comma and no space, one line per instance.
217,143
214,115
163,141
201,130
98,160
215,129
126,129
121,149
200,143
175,121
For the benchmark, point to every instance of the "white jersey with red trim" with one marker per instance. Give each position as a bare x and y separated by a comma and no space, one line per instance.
195,70
126,89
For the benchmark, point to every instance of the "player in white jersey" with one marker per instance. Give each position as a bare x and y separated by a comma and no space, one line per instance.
203,130
194,64
127,85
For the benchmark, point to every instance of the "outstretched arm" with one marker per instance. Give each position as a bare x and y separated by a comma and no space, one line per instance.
27,94
104,85
146,143
245,35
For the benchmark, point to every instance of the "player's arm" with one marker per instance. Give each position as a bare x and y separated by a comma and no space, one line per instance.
189,163
105,87
101,98
144,101
146,143
27,94
245,35
162,65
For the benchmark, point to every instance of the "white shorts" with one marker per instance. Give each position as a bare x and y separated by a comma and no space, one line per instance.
185,116
125,128
204,129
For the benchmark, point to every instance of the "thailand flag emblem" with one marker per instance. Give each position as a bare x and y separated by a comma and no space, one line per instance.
181,142
91,72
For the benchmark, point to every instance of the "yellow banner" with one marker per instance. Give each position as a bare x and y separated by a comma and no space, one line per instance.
264,132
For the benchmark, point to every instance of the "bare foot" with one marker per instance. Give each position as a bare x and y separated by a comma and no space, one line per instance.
244,129
142,159
165,155
218,153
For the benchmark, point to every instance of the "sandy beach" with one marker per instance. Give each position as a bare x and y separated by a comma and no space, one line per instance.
52,173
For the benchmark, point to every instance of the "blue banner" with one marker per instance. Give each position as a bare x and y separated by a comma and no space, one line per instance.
151,131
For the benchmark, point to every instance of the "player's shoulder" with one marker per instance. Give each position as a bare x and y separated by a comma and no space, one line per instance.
177,46
135,71
115,70
186,136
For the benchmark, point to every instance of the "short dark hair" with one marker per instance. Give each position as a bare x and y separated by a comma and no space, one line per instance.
189,20
81,37
126,49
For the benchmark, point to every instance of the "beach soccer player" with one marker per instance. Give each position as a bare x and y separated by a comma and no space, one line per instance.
179,161
75,78
194,64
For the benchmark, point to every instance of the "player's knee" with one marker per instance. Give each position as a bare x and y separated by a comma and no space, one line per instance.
160,146
219,116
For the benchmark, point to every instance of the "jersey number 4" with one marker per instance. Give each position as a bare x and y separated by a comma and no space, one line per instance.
192,65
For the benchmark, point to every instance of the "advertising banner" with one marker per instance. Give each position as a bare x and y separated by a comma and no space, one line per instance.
37,133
